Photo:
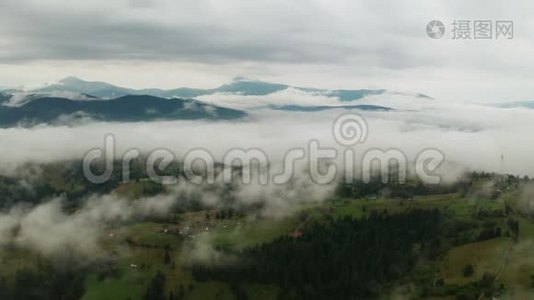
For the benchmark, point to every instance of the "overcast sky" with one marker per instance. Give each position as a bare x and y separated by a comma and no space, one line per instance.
328,44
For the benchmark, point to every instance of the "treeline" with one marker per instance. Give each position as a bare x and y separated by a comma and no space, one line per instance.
44,283
407,190
345,259
464,186
39,183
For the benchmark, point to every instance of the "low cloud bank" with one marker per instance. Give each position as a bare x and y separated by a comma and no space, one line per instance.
48,229
470,136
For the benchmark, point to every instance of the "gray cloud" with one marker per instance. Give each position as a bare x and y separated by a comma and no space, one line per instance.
355,44
207,31
35,33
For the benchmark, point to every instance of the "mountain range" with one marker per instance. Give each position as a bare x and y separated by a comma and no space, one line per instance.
131,108
517,104
239,85
73,99
302,108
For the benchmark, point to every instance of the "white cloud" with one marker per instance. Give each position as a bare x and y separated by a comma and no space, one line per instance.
48,229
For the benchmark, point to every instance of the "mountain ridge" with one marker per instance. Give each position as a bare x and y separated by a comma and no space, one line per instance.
130,108
239,86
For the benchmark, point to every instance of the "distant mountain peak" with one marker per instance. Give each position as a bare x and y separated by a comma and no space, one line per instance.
240,78
71,80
